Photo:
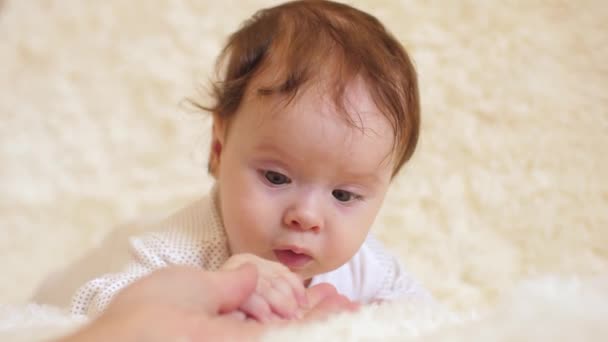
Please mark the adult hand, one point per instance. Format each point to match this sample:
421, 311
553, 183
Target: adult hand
178, 303
185, 303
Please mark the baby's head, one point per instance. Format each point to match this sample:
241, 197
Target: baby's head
315, 113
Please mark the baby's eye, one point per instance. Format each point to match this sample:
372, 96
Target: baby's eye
343, 195
276, 178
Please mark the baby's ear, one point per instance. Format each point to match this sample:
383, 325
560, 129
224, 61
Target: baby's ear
218, 134
219, 128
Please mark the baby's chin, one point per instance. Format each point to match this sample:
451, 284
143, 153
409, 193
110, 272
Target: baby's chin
308, 275
305, 276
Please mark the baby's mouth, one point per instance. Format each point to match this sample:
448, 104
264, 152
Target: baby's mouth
292, 259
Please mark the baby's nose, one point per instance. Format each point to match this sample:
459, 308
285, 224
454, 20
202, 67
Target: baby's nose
303, 217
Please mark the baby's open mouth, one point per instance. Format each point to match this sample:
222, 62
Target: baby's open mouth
292, 259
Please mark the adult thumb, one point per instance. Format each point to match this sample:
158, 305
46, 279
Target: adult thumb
233, 288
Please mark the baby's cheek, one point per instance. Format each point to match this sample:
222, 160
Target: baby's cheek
340, 250
236, 226
255, 227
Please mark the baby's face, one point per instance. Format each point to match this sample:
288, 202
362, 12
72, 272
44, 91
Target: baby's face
298, 184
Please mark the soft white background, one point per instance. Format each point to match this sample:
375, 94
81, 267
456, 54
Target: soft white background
509, 181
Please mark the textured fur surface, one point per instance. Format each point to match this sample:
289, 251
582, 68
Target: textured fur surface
509, 182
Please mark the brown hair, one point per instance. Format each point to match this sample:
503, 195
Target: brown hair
301, 38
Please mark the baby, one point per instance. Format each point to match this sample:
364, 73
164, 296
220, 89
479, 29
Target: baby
316, 112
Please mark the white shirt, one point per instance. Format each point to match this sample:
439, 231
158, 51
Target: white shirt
195, 236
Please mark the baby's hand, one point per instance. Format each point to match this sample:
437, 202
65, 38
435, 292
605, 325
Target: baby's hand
280, 294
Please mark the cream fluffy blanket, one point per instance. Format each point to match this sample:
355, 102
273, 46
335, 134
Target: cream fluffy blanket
502, 213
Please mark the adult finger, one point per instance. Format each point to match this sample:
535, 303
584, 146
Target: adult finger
329, 306
227, 290
316, 294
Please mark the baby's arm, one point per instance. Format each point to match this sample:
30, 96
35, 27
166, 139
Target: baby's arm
93, 297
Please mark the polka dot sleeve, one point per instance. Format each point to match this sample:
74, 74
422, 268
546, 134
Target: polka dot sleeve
94, 296
193, 236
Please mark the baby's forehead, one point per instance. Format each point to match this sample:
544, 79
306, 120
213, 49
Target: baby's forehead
319, 131
356, 117
350, 99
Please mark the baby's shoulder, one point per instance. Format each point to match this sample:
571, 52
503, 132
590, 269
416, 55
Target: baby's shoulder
195, 221
373, 255
191, 235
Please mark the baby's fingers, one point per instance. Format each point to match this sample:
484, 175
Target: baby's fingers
280, 297
296, 287
257, 308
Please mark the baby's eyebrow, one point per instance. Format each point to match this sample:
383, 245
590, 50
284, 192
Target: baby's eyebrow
367, 177
345, 172
264, 147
